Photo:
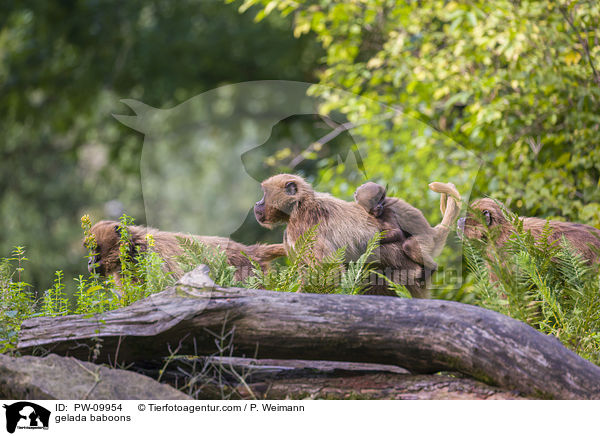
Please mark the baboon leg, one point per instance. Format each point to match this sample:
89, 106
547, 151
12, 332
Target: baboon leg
417, 249
393, 235
440, 235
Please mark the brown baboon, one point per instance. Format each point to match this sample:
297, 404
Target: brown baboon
585, 239
108, 240
288, 199
402, 221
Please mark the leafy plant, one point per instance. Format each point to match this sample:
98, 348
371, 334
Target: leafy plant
305, 273
546, 284
17, 301
355, 277
55, 302
141, 271
141, 275
196, 253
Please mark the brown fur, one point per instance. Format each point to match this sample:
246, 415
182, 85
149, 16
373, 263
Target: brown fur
288, 199
168, 247
585, 239
402, 221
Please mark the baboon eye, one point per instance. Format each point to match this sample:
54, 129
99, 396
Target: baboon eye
291, 188
488, 217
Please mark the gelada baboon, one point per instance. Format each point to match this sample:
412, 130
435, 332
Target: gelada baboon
108, 240
288, 199
487, 212
402, 221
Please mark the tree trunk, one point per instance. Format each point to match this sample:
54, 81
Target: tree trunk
423, 336
376, 387
242, 378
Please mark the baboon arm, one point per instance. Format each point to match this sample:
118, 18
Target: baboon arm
266, 253
409, 218
419, 249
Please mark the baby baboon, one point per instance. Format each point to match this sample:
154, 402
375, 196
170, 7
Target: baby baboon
401, 221
288, 199
108, 240
585, 239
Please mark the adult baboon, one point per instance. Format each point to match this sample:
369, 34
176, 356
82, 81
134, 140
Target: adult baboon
288, 199
108, 240
487, 213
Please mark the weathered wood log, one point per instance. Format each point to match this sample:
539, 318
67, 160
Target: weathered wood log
375, 387
423, 336
268, 379
258, 370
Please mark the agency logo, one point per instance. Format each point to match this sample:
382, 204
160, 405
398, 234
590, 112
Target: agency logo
26, 415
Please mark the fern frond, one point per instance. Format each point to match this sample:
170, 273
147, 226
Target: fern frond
398, 288
354, 279
196, 253
573, 268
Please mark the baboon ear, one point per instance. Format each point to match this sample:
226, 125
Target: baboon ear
291, 188
488, 217
385, 190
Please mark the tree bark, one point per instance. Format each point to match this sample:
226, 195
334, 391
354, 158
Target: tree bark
423, 336
376, 387
268, 379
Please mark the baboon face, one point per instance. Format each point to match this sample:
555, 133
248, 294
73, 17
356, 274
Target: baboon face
371, 197
106, 261
484, 213
282, 194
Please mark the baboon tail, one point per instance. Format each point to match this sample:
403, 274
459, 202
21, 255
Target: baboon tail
446, 188
450, 207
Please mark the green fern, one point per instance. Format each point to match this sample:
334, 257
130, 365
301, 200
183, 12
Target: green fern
355, 277
398, 288
541, 281
305, 273
196, 253
573, 268
487, 291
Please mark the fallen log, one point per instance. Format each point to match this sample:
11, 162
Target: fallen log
268, 379
178, 369
423, 336
375, 387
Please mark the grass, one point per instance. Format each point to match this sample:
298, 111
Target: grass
141, 276
546, 285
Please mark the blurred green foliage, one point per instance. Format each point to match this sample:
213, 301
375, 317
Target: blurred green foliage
517, 83
65, 65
